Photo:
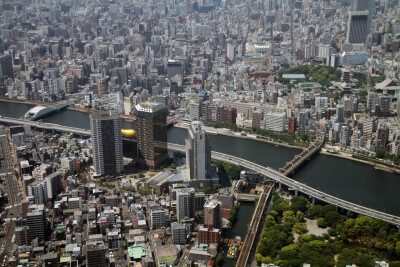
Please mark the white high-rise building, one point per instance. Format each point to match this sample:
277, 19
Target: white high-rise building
344, 135
321, 102
198, 152
107, 144
275, 121
185, 203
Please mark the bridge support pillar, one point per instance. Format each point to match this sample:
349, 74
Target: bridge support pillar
296, 192
398, 228
280, 185
313, 200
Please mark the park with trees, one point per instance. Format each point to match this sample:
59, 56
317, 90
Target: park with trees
348, 238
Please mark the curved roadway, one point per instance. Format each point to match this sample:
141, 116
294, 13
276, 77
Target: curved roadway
266, 171
295, 185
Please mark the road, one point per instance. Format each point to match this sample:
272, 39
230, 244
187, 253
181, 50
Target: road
7, 168
297, 186
266, 171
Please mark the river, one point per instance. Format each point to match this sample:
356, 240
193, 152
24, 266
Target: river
243, 217
353, 181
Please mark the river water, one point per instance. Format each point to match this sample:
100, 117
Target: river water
243, 217
349, 180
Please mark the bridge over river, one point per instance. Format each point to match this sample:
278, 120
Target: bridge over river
268, 172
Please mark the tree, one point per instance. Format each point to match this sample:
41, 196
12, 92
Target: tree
288, 217
172, 166
332, 217
321, 222
299, 203
300, 228
381, 154
351, 256
289, 252
299, 216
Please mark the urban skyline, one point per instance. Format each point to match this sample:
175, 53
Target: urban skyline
199, 133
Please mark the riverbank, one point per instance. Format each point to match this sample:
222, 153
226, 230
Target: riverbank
349, 157
29, 102
228, 132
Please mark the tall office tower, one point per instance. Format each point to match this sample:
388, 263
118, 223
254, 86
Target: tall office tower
6, 68
38, 190
107, 143
54, 185
372, 100
212, 214
95, 254
382, 138
151, 132
185, 204
198, 152
36, 221
340, 112
102, 87
357, 27
365, 5
302, 123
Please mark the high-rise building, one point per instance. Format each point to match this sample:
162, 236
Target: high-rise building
384, 103
372, 100
107, 144
158, 218
185, 203
357, 28
198, 152
340, 112
36, 221
178, 232
382, 138
6, 68
54, 185
364, 5
292, 125
303, 116
256, 119
209, 235
102, 87
212, 214
38, 190
96, 255
344, 135
275, 121
151, 132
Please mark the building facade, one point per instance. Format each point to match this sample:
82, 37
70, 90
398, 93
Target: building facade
151, 131
107, 144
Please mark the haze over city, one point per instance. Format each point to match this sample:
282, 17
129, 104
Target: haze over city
200, 133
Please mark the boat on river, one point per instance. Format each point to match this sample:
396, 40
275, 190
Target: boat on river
234, 247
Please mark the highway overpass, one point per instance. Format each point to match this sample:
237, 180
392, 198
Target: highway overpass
46, 126
280, 179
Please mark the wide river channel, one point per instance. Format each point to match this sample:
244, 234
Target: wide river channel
352, 181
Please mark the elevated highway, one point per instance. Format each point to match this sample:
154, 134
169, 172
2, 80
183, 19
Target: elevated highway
280, 179
272, 174
45, 126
